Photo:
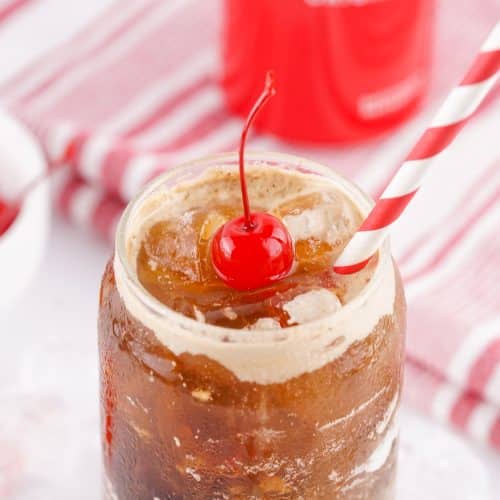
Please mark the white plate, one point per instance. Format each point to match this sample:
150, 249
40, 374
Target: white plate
21, 247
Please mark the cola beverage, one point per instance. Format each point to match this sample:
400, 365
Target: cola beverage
289, 391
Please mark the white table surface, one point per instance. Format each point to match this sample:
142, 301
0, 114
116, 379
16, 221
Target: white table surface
49, 438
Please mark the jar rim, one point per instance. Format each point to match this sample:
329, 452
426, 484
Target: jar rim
360, 199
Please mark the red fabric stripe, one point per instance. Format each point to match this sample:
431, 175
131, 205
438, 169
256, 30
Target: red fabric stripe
105, 214
434, 140
386, 211
455, 239
485, 66
354, 268
11, 8
463, 408
484, 366
67, 193
495, 434
75, 146
166, 107
114, 165
70, 152
77, 62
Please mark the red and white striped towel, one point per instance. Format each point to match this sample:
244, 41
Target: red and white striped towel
10, 7
136, 92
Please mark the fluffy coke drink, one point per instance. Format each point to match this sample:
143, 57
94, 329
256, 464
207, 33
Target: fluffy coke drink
288, 391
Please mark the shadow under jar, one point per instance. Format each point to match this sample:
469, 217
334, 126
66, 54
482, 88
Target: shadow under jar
197, 411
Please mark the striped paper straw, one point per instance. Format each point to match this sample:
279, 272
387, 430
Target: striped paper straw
460, 104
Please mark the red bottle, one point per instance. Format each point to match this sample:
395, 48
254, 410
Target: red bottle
345, 69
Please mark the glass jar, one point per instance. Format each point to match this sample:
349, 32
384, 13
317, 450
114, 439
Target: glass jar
194, 411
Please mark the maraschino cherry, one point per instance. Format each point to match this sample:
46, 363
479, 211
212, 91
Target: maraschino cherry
256, 249
8, 214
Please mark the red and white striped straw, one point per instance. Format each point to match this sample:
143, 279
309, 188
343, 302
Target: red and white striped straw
460, 104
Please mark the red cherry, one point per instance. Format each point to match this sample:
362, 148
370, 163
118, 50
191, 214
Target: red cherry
8, 214
247, 259
256, 249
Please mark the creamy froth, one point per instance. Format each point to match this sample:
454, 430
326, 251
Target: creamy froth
263, 353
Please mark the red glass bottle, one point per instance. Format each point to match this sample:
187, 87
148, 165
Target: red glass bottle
346, 69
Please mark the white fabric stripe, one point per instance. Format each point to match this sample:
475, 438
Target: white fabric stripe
82, 205
147, 102
493, 40
482, 228
71, 51
136, 173
217, 141
471, 348
92, 156
154, 18
362, 246
492, 388
481, 422
462, 102
182, 118
408, 178
443, 402
58, 138
140, 168
263, 142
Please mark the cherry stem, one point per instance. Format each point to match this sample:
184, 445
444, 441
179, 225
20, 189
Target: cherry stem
267, 93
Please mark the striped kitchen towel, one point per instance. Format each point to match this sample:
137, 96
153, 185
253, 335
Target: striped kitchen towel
135, 92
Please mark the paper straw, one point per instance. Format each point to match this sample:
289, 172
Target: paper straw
458, 107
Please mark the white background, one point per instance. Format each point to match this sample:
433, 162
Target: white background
48, 360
